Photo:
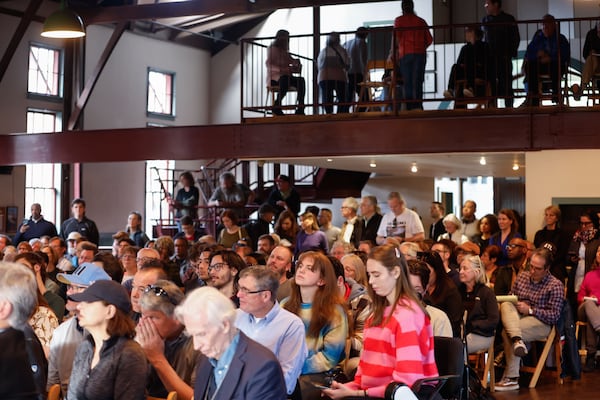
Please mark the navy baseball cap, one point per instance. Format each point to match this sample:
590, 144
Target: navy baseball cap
109, 291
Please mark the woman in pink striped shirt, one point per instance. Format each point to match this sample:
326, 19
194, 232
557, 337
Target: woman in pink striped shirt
398, 337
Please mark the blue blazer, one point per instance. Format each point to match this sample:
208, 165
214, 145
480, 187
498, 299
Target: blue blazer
254, 373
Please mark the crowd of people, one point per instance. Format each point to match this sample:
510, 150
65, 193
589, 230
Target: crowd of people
300, 305
484, 67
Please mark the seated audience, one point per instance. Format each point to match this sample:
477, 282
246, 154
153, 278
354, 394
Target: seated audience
262, 319
591, 55
509, 228
287, 227
489, 257
108, 363
487, 226
418, 277
588, 311
398, 338
547, 53
166, 248
442, 292
540, 302
472, 63
168, 349
128, 262
224, 267
21, 351
281, 67
69, 335
355, 269
189, 231
315, 298
480, 303
231, 366
332, 232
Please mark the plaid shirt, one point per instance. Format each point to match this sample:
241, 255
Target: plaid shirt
544, 297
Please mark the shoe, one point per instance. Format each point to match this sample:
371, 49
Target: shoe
448, 94
507, 384
277, 111
590, 364
468, 93
299, 112
519, 348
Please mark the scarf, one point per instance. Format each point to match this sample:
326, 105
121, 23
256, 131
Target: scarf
585, 236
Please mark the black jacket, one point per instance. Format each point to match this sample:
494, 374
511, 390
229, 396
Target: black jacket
483, 318
370, 228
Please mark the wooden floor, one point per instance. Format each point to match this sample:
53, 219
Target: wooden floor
547, 389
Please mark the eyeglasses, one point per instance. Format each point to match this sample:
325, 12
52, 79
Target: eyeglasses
584, 223
217, 267
311, 268
248, 291
512, 245
159, 292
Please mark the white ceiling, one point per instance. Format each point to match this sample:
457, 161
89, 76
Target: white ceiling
452, 165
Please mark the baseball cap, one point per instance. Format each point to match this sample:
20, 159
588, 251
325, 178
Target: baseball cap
109, 291
74, 236
85, 275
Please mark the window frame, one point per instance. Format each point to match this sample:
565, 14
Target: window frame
154, 114
58, 98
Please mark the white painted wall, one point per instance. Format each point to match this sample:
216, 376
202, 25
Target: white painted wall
555, 174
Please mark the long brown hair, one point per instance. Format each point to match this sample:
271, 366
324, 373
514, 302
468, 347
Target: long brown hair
327, 297
391, 257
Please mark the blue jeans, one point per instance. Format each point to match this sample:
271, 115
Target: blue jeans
412, 68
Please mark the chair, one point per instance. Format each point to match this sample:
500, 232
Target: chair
488, 368
450, 362
582, 348
273, 91
551, 341
54, 392
369, 86
481, 85
171, 396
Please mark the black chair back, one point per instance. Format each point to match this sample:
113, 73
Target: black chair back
450, 360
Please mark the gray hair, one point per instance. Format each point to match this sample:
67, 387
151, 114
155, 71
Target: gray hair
19, 288
454, 220
350, 202
266, 279
154, 301
217, 307
477, 265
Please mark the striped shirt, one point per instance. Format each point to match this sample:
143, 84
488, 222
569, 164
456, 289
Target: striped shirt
401, 351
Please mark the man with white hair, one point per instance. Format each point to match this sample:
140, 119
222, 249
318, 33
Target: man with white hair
352, 230
22, 362
232, 365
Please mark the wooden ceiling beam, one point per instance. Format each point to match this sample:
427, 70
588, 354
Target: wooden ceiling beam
103, 15
427, 133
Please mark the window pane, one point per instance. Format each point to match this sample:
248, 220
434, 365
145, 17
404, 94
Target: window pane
45, 72
41, 180
160, 92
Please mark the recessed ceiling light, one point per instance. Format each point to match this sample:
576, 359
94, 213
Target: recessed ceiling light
482, 160
372, 164
414, 168
515, 167
330, 160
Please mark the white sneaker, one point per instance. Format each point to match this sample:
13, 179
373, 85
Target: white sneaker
507, 384
468, 93
448, 94
519, 348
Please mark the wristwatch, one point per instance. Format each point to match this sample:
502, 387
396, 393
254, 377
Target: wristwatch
530, 311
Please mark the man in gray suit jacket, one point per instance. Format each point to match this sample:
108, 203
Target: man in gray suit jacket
231, 366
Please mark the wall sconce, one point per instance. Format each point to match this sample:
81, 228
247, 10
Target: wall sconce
63, 24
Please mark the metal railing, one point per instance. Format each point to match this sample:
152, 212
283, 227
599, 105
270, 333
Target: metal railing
257, 101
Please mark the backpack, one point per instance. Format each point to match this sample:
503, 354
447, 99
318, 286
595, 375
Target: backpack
472, 387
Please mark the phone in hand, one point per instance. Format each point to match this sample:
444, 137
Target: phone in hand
319, 386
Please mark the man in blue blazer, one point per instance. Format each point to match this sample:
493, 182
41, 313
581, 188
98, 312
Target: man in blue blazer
231, 365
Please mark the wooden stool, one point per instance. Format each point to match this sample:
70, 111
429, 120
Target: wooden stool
488, 366
553, 340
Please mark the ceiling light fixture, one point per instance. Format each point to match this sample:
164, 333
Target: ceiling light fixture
515, 166
63, 24
482, 160
414, 168
330, 160
372, 164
